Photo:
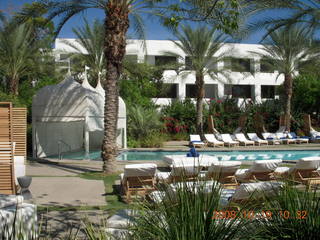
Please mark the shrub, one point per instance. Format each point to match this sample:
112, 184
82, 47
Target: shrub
154, 140
144, 127
180, 116
225, 114
270, 110
306, 94
143, 121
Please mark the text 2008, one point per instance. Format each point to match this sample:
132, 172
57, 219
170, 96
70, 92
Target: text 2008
248, 214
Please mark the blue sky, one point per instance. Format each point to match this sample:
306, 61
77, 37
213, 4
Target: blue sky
154, 30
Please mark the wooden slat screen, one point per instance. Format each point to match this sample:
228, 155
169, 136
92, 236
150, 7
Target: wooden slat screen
19, 131
7, 180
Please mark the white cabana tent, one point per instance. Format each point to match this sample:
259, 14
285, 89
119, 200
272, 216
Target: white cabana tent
69, 117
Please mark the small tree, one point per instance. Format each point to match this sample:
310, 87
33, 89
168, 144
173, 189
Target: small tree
18, 55
91, 39
201, 46
287, 50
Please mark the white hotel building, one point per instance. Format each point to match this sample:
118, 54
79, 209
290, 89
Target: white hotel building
254, 81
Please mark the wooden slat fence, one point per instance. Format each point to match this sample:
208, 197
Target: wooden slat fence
19, 127
7, 180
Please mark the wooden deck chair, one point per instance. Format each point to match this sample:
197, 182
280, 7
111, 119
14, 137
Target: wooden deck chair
261, 170
248, 192
228, 141
195, 141
138, 178
224, 173
7, 178
180, 171
305, 171
243, 140
213, 141
258, 141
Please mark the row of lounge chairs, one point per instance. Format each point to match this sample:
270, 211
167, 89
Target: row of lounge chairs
237, 139
144, 177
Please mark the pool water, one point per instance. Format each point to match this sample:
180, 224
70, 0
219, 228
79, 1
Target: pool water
223, 155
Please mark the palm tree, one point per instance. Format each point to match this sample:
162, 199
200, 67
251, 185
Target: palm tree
119, 14
287, 50
296, 11
90, 38
17, 54
116, 25
201, 46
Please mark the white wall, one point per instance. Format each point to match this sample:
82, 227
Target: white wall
146, 51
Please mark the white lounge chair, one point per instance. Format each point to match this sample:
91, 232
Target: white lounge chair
293, 135
243, 140
224, 172
244, 193
226, 138
261, 170
179, 172
254, 137
212, 141
271, 138
315, 135
195, 141
305, 171
138, 177
203, 160
253, 191
192, 186
283, 137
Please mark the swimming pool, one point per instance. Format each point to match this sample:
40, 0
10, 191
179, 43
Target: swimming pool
288, 155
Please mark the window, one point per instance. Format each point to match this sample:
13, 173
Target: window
191, 90
227, 89
267, 66
64, 56
168, 91
188, 63
268, 91
131, 58
241, 91
240, 65
165, 60
211, 90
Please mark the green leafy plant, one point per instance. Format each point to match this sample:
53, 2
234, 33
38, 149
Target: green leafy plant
144, 127
179, 113
295, 215
188, 213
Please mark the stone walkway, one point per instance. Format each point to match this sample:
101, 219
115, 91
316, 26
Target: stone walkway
59, 185
67, 191
63, 224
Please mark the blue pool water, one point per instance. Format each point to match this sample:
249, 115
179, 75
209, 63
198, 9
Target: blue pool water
223, 155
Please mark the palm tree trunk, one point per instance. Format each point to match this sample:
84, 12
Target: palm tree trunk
288, 90
116, 24
13, 85
200, 96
